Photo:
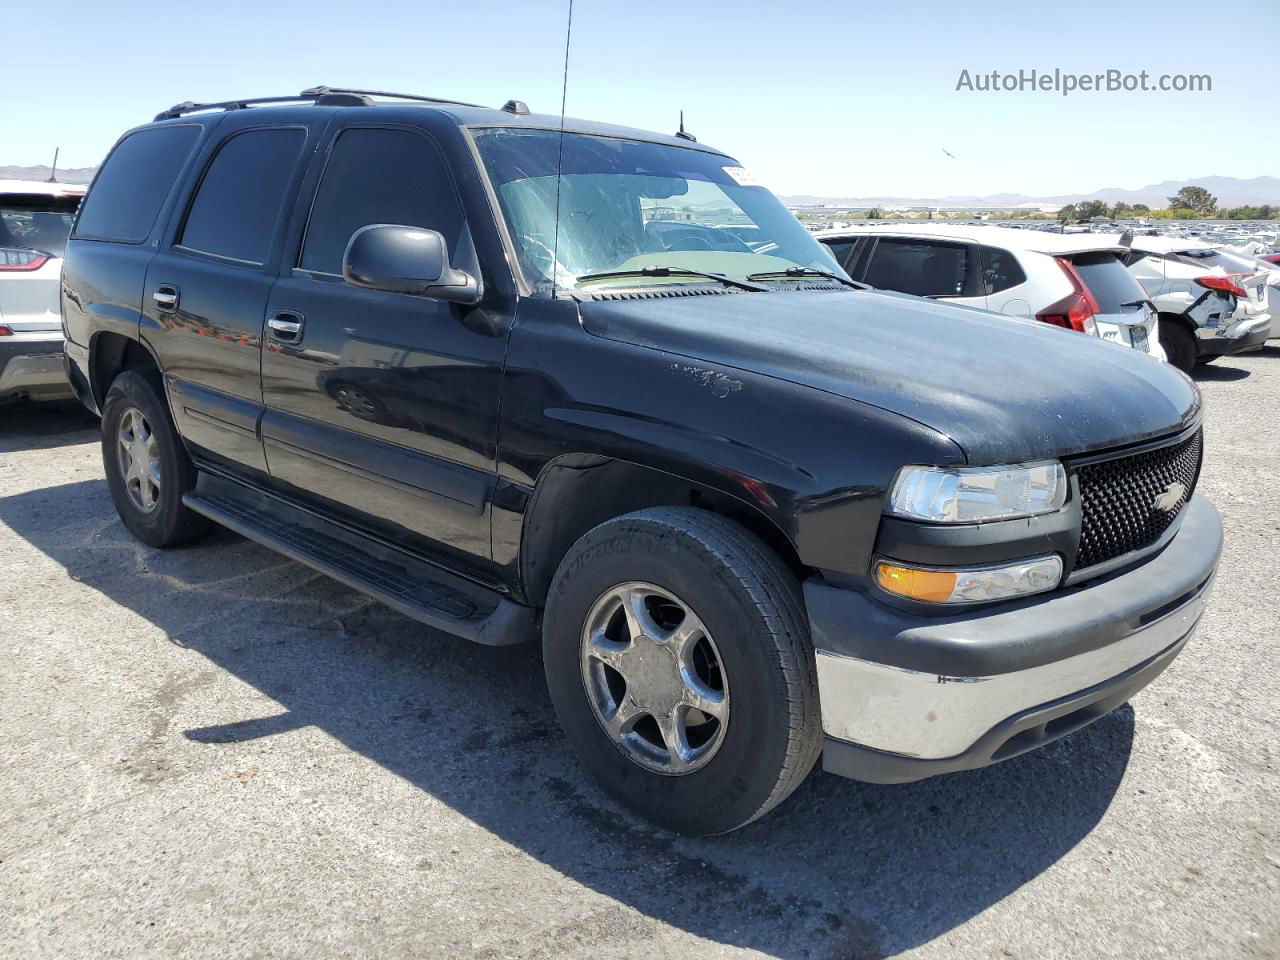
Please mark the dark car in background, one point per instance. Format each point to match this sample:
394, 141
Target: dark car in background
512, 373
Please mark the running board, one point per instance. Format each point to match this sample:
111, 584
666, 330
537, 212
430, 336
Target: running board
403, 582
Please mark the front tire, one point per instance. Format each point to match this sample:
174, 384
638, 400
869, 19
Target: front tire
678, 658
147, 466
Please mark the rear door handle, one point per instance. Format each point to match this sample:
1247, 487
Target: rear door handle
166, 297
286, 327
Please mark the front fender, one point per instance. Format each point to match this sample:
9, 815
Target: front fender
815, 464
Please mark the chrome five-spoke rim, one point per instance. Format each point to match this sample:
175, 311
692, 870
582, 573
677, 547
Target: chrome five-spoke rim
654, 678
139, 459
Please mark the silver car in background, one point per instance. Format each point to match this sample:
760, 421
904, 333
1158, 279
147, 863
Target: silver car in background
35, 220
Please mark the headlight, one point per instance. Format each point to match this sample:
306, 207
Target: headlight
969, 584
974, 494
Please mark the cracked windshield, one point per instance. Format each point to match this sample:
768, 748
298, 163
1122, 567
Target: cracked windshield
634, 213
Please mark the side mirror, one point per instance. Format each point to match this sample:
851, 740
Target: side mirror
412, 260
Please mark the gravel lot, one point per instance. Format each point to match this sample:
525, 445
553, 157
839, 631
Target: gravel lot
215, 752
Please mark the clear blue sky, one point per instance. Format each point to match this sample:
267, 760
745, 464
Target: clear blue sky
818, 97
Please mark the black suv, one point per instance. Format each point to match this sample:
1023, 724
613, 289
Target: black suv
503, 371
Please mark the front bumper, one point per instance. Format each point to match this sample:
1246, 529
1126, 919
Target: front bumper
31, 366
905, 697
1250, 333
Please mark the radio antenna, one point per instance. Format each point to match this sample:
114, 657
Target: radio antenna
564, 94
53, 171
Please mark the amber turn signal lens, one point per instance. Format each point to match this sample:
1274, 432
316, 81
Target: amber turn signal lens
931, 586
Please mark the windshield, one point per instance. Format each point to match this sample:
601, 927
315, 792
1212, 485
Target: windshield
36, 225
626, 205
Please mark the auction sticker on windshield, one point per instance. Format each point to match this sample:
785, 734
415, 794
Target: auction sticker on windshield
742, 178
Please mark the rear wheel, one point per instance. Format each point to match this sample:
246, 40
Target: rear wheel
678, 658
147, 466
1179, 345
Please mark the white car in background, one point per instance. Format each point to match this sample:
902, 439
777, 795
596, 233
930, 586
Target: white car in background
35, 220
1233, 261
1212, 302
1076, 281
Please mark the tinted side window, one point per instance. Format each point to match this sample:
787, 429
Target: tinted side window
238, 203
918, 266
1000, 269
379, 176
840, 249
846, 251
132, 186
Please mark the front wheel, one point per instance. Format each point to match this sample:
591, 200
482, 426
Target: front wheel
147, 466
678, 657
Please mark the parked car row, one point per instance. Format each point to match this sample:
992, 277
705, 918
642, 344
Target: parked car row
513, 374
1073, 281
1179, 300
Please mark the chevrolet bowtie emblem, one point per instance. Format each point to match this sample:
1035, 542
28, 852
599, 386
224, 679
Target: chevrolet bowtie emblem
1171, 497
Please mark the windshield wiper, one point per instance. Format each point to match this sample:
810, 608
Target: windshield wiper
674, 272
806, 272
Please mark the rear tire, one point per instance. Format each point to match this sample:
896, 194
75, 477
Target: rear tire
1179, 345
750, 604
147, 466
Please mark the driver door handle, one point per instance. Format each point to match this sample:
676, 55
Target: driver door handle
286, 326
166, 297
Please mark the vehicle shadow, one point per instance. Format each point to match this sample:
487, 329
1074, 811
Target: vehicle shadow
1219, 371
25, 425
840, 870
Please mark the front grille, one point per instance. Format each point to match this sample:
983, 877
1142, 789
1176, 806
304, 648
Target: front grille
1119, 497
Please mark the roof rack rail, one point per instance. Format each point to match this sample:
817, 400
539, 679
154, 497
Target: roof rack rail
320, 96
324, 99
322, 91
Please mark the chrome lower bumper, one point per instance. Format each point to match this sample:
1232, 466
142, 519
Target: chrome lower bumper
905, 696
931, 716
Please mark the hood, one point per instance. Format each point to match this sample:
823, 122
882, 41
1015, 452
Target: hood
1005, 390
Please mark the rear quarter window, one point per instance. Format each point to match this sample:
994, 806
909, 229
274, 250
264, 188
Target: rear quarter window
1000, 270
131, 188
1112, 285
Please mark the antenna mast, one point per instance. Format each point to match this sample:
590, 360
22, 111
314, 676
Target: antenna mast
564, 94
53, 172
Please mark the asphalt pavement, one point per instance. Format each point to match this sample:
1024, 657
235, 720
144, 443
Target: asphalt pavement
214, 752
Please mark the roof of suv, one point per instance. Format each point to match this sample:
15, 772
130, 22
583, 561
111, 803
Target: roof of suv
1036, 241
42, 188
471, 115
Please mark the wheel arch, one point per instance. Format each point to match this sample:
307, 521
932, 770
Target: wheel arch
577, 492
1179, 319
110, 354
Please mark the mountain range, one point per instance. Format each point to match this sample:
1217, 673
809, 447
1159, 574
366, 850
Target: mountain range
71, 175
1230, 191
